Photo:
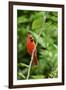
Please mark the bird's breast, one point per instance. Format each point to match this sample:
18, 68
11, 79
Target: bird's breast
30, 47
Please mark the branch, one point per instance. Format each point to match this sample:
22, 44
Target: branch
30, 63
35, 48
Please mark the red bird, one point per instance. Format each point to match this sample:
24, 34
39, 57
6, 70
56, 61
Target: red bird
30, 46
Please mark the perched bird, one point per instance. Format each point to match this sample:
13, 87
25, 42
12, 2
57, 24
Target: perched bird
30, 47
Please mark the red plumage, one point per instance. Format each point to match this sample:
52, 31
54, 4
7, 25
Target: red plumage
30, 46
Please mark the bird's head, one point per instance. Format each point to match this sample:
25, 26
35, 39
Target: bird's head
30, 36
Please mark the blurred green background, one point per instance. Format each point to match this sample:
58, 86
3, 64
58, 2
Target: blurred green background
35, 21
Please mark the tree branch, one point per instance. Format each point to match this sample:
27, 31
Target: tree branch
35, 48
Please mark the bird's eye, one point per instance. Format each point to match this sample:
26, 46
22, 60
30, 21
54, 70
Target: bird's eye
31, 40
30, 37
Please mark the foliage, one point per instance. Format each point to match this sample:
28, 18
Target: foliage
35, 21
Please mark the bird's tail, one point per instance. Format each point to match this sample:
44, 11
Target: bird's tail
35, 59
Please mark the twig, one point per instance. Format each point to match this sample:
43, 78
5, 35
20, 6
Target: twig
34, 50
30, 63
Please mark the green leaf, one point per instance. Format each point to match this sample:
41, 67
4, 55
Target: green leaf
38, 76
21, 75
22, 65
37, 23
22, 19
40, 40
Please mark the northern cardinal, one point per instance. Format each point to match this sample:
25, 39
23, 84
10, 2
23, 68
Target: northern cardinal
30, 47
